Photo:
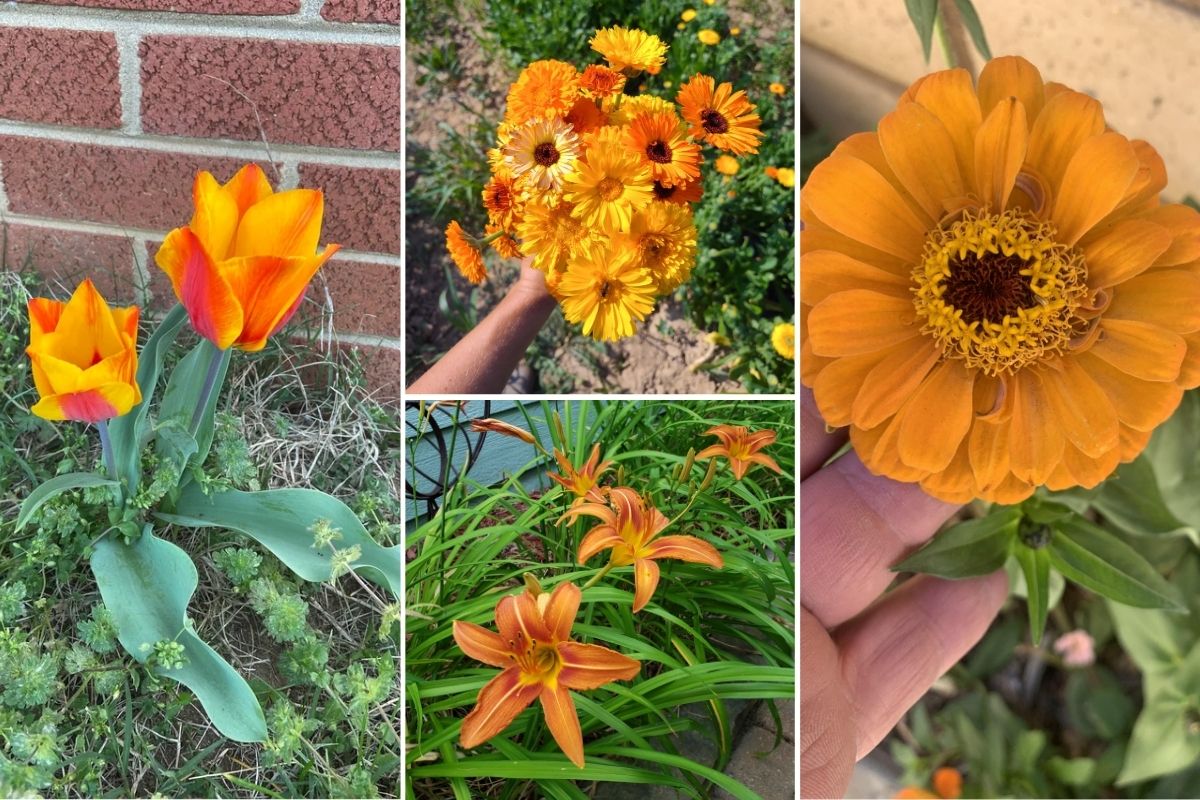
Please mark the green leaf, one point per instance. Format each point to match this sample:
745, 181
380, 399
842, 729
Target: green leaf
1026, 751
923, 13
976, 547
280, 520
129, 434
974, 27
1072, 771
147, 586
1154, 639
184, 390
56, 486
993, 652
1132, 500
1162, 742
1097, 704
1099, 561
1035, 564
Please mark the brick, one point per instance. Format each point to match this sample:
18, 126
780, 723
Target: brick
330, 95
366, 297
59, 77
362, 206
64, 258
387, 11
262, 7
116, 185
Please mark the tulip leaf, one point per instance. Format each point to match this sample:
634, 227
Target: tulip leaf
967, 550
204, 366
56, 486
1035, 564
282, 520
147, 586
128, 431
1097, 560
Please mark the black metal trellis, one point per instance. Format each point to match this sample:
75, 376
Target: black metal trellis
447, 475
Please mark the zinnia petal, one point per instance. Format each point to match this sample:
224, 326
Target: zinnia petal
1095, 181
1141, 349
937, 418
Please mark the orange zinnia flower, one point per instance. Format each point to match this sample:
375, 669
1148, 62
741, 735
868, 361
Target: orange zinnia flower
741, 448
241, 266
993, 297
659, 141
581, 482
464, 250
84, 357
540, 661
720, 116
630, 531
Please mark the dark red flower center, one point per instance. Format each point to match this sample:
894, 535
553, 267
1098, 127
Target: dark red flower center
663, 192
546, 154
988, 288
659, 152
713, 121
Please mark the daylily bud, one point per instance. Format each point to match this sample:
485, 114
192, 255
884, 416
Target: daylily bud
708, 476
503, 428
531, 584
558, 428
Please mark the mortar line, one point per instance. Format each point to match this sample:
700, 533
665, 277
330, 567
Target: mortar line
311, 10
129, 82
3, 193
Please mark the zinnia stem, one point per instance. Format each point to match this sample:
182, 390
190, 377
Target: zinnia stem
215, 366
596, 578
106, 448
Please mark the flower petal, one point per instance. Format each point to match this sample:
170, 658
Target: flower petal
1184, 224
498, 704
44, 315
1081, 408
1125, 250
950, 97
685, 548
86, 331
283, 224
837, 386
1141, 405
248, 187
987, 450
921, 154
212, 307
481, 644
590, 666
860, 321
1095, 181
563, 722
1066, 122
1000, 148
1011, 77
816, 235
934, 422
827, 272
879, 452
645, 580
91, 406
520, 622
215, 218
885, 388
600, 538
560, 612
268, 289
1140, 349
1168, 297
1035, 437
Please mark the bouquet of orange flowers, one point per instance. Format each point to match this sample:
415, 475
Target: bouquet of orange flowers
597, 186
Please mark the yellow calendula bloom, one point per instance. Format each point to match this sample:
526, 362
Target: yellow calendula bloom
994, 296
709, 37
735, 31
606, 291
610, 185
550, 233
726, 165
688, 15
84, 357
783, 339
630, 49
663, 237
777, 88
786, 176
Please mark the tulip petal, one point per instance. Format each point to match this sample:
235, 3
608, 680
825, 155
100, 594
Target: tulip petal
91, 406
269, 289
685, 548
248, 187
645, 581
498, 704
560, 612
215, 218
44, 315
520, 622
563, 722
284, 224
53, 375
481, 644
212, 306
86, 332
590, 666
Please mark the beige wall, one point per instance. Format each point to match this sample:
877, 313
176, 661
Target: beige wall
1140, 58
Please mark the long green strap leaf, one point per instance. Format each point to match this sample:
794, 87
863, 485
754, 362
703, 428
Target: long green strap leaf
281, 521
56, 486
147, 585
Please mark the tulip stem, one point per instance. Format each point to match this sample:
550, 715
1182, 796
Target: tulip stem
596, 578
106, 448
210, 381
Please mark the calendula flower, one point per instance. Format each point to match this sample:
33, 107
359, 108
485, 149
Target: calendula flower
720, 116
947, 782
683, 193
630, 528
84, 357
1006, 304
688, 15
741, 447
735, 31
585, 116
608, 187
582, 482
629, 49
241, 266
539, 662
504, 243
783, 339
599, 81
542, 154
550, 234
606, 291
659, 141
464, 251
726, 165
771, 172
777, 88
544, 90
708, 36
663, 238
786, 176
501, 200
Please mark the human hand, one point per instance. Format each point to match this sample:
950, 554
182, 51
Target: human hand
531, 283
866, 659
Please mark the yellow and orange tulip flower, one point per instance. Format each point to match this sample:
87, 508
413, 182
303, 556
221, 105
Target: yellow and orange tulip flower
540, 661
741, 448
241, 266
84, 357
629, 527
581, 482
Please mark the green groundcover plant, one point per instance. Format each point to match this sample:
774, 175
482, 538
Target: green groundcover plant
673, 565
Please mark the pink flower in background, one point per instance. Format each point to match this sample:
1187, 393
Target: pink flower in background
1077, 648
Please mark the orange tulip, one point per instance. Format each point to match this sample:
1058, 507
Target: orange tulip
740, 447
84, 357
540, 662
630, 531
582, 482
241, 266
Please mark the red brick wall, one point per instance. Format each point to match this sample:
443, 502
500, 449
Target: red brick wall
109, 107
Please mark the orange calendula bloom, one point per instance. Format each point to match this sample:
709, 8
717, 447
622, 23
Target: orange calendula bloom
242, 264
629, 527
599, 81
948, 782
540, 661
726, 165
777, 88
544, 89
994, 297
582, 482
741, 448
659, 141
84, 357
719, 115
681, 193
465, 253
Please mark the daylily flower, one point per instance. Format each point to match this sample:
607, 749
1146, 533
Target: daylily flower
740, 447
582, 482
500, 426
630, 531
540, 662
84, 357
241, 266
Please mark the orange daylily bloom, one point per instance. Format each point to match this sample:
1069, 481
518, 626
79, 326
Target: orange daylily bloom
629, 527
582, 482
540, 662
740, 447
241, 266
84, 357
